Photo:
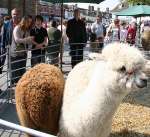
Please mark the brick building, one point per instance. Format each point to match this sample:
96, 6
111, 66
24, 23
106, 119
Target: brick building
32, 7
25, 6
49, 10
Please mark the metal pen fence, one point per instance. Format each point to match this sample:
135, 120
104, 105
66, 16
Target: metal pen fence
20, 130
50, 54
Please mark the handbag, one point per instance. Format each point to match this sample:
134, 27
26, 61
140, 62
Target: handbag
20, 48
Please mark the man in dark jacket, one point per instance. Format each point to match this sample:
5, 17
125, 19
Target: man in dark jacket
76, 32
7, 31
6, 36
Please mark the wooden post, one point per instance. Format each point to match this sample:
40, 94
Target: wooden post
24, 7
36, 6
9, 7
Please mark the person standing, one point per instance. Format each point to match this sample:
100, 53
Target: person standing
18, 50
99, 29
9, 25
76, 32
123, 32
39, 42
7, 31
53, 49
114, 29
64, 36
64, 39
131, 34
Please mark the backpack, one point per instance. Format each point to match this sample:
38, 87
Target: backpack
57, 36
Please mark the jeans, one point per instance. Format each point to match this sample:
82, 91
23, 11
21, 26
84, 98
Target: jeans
38, 56
18, 68
76, 54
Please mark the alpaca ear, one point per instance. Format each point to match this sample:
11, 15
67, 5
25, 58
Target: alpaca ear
96, 56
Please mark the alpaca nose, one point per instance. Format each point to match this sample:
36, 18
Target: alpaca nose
141, 83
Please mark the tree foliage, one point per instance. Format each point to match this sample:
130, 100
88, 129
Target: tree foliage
136, 2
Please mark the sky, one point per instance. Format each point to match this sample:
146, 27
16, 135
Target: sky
103, 5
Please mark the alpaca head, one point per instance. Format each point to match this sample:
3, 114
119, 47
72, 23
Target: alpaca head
126, 64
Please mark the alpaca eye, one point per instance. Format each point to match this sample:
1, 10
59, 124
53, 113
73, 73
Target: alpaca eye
122, 69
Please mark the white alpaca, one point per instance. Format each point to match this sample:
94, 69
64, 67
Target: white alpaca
94, 90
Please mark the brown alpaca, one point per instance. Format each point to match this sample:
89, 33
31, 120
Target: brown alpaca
146, 40
39, 97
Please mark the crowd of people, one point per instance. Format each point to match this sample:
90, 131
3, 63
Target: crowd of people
20, 35
120, 31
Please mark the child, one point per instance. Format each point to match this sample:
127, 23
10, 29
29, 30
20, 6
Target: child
40, 41
123, 32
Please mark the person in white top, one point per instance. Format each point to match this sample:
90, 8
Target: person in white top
98, 28
123, 32
64, 35
114, 29
18, 51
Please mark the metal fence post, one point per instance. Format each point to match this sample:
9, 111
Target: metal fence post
9, 72
62, 41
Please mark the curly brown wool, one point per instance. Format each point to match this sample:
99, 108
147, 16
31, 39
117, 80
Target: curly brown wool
39, 98
146, 40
